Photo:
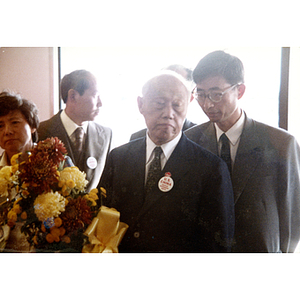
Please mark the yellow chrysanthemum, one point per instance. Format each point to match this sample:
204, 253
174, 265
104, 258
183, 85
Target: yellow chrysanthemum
72, 178
17, 208
92, 196
6, 181
103, 192
12, 217
49, 205
15, 159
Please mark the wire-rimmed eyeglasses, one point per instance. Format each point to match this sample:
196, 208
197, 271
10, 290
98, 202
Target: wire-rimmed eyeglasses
214, 95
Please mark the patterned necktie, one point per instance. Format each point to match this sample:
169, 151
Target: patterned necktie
79, 133
154, 169
225, 151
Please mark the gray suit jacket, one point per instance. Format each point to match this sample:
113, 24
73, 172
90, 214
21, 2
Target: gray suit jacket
97, 145
266, 186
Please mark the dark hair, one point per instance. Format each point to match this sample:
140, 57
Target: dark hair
10, 102
79, 80
219, 63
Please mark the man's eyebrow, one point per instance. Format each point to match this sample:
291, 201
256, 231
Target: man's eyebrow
211, 89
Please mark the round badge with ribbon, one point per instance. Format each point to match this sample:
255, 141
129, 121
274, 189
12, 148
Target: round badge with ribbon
166, 183
91, 162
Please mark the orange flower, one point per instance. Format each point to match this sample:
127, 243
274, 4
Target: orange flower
62, 231
55, 231
12, 216
24, 215
49, 238
57, 222
17, 209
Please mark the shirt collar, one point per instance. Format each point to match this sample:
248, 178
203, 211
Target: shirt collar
71, 126
234, 132
167, 148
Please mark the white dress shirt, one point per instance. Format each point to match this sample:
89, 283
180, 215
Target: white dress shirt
71, 126
167, 149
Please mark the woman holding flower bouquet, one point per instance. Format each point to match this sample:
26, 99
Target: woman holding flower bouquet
18, 124
43, 203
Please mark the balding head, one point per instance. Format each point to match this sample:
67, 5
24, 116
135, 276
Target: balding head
164, 106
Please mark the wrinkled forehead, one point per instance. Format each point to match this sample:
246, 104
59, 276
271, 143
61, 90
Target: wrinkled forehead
165, 83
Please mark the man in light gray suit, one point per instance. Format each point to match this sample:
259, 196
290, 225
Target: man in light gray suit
80, 94
264, 161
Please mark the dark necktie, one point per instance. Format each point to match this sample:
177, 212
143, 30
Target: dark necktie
79, 133
225, 151
154, 169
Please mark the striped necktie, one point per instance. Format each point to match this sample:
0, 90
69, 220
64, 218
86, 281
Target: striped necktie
154, 169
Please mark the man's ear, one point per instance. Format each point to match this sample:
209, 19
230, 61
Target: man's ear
140, 104
72, 94
241, 90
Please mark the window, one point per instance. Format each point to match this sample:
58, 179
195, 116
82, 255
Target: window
121, 72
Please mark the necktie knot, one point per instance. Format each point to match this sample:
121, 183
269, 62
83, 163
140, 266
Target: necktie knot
157, 152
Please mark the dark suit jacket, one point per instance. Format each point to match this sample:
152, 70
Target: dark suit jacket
141, 133
196, 215
97, 145
266, 186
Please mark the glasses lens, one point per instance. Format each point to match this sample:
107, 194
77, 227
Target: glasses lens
200, 97
215, 96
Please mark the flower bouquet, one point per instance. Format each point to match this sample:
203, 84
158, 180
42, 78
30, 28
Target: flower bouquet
48, 199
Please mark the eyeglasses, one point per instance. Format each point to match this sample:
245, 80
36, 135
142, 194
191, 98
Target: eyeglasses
214, 96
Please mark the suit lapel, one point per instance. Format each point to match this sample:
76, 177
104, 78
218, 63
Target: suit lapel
247, 158
93, 147
208, 140
136, 173
94, 140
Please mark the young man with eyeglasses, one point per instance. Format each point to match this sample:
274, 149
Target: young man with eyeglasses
264, 161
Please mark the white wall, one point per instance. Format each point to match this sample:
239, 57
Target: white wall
32, 72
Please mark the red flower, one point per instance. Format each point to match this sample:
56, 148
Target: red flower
77, 214
39, 171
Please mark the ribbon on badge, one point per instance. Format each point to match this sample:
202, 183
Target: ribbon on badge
105, 232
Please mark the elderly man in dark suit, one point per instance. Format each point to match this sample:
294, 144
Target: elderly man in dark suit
264, 161
88, 149
174, 195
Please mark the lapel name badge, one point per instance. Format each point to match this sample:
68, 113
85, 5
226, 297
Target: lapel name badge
91, 162
166, 183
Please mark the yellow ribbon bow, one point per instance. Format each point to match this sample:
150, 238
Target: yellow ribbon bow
105, 232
